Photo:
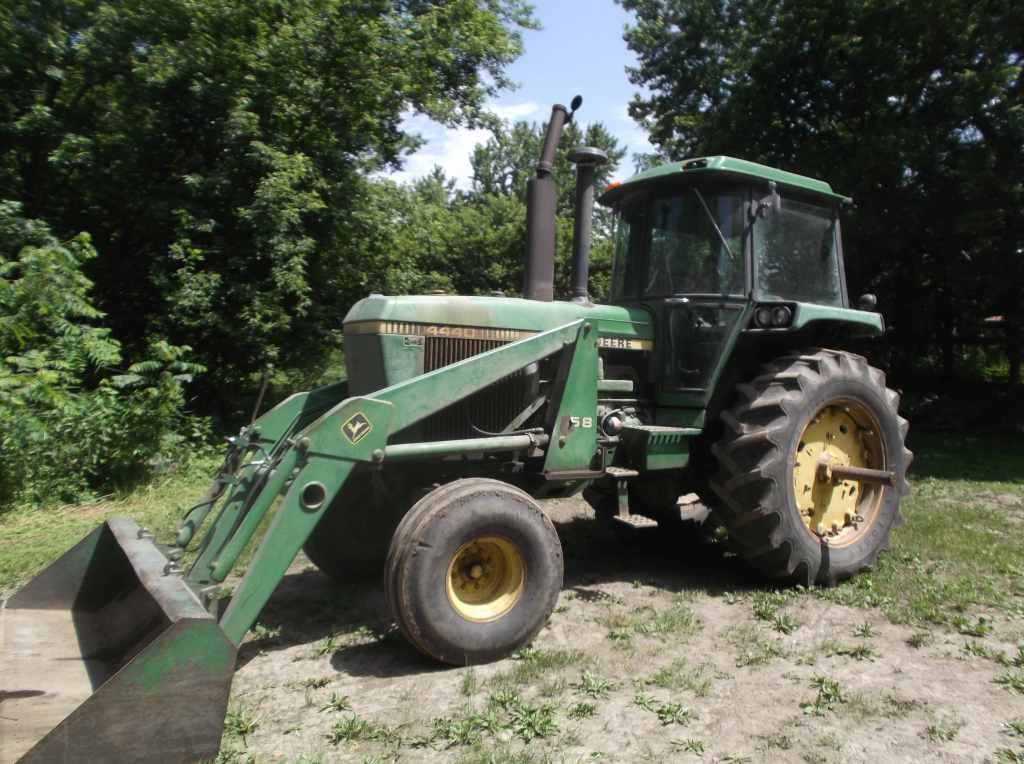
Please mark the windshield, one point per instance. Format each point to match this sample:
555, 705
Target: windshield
692, 239
795, 254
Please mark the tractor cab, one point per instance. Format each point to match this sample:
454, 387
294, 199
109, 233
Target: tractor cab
715, 246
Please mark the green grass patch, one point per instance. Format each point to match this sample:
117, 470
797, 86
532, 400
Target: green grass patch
33, 538
680, 675
531, 664
959, 548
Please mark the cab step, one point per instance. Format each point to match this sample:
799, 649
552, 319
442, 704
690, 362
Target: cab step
621, 476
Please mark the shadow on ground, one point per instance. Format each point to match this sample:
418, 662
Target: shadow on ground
308, 608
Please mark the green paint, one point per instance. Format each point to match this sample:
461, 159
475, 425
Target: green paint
574, 428
865, 322
502, 312
189, 646
721, 168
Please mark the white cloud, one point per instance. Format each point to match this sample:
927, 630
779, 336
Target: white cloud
451, 148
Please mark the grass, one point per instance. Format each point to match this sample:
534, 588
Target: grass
1011, 680
680, 675
532, 664
34, 537
754, 649
959, 551
942, 732
678, 620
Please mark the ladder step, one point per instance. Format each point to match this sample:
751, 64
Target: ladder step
636, 521
620, 473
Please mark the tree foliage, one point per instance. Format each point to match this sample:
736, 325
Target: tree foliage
217, 152
69, 422
914, 108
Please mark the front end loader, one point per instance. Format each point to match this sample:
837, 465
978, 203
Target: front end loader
723, 366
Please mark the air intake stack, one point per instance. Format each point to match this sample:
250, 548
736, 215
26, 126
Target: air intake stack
587, 159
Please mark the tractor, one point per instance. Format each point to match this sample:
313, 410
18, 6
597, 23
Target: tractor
724, 365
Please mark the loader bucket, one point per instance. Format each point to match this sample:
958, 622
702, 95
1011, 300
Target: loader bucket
104, 656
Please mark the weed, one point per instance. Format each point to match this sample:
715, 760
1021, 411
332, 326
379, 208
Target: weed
919, 639
865, 631
785, 624
645, 701
897, 707
1015, 727
316, 683
240, 723
595, 686
582, 711
977, 650
980, 628
672, 713
530, 722
354, 728
754, 650
337, 703
690, 746
470, 684
942, 732
1009, 756
456, 732
266, 634
230, 754
857, 652
504, 698
328, 645
1012, 680
830, 694
765, 605
779, 741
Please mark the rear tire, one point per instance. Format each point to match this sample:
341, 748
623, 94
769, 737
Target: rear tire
802, 409
473, 572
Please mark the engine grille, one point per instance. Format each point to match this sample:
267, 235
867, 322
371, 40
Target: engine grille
490, 409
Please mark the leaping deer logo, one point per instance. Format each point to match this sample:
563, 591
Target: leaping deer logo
356, 428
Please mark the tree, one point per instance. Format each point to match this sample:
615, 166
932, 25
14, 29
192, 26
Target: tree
501, 168
217, 151
914, 108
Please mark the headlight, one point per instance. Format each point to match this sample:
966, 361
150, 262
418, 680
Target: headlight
763, 317
781, 316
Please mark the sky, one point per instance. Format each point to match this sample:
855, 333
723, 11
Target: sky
578, 50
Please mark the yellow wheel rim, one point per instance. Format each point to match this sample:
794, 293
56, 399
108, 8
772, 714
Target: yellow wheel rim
485, 578
842, 433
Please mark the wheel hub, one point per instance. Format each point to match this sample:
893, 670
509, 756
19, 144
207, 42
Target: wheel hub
485, 578
837, 510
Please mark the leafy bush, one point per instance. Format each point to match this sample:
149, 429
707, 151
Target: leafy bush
70, 424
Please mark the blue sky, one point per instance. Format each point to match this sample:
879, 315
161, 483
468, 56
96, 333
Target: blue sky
578, 50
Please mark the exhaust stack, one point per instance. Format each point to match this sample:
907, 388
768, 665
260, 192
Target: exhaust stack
541, 200
587, 159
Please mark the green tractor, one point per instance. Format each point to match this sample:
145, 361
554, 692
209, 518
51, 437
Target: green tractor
723, 367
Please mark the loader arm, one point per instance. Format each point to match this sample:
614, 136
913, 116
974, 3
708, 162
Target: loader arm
317, 460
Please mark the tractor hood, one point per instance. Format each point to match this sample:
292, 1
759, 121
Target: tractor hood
440, 314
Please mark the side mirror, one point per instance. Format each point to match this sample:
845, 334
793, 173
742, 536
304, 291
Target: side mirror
867, 301
769, 204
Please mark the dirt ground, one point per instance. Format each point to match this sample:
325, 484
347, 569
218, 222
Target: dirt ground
655, 652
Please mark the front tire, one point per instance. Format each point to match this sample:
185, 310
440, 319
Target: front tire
783, 514
474, 571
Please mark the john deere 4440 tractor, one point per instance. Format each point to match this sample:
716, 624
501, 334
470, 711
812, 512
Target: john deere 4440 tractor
722, 366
